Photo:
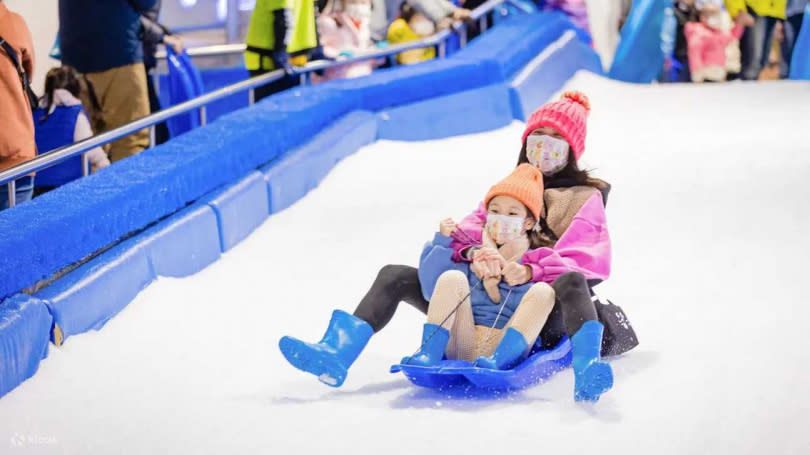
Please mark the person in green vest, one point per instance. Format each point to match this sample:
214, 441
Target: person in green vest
281, 34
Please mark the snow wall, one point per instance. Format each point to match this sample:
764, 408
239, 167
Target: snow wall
173, 209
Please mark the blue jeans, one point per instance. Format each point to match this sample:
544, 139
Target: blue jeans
25, 189
793, 26
755, 45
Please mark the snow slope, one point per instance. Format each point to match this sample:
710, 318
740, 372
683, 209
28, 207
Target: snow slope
710, 226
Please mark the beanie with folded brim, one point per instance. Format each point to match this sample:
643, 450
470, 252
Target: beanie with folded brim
525, 184
568, 115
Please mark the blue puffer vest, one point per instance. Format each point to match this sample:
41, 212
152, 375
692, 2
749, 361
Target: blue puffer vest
55, 132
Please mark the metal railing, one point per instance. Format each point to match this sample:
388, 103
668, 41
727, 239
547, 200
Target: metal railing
54, 157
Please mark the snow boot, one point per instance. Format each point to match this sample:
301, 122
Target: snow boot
592, 377
330, 358
508, 353
434, 342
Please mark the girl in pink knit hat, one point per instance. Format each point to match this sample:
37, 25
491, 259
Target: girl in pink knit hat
576, 257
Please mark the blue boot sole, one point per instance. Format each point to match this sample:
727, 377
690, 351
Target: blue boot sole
317, 361
593, 382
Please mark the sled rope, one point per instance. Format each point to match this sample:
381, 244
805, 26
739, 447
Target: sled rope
497, 317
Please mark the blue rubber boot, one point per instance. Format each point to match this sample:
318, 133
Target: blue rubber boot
592, 377
508, 353
434, 342
331, 358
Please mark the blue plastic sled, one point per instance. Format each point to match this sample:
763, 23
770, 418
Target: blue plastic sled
453, 374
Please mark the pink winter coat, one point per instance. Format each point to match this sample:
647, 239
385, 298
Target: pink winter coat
584, 246
706, 48
340, 34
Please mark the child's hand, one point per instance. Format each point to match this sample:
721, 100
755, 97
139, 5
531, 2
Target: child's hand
515, 249
516, 274
447, 227
744, 19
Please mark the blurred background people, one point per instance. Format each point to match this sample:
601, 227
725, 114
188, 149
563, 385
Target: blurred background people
102, 41
346, 32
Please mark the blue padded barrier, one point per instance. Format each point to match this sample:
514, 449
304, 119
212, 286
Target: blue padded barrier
184, 243
290, 178
497, 49
800, 62
155, 183
25, 326
86, 298
408, 84
549, 71
240, 208
639, 57
473, 111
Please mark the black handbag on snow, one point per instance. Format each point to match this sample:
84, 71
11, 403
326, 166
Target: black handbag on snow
33, 100
619, 336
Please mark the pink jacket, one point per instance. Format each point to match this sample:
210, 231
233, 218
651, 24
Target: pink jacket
584, 247
576, 10
706, 48
340, 34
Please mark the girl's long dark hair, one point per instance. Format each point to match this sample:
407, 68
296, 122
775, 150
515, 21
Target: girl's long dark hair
64, 77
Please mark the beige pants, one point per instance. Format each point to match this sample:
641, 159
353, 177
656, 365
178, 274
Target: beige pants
122, 97
469, 341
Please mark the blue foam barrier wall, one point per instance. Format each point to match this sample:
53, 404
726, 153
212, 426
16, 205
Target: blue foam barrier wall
291, 177
473, 111
800, 62
240, 208
639, 57
25, 324
86, 298
549, 71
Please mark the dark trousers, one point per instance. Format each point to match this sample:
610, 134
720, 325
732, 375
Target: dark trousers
286, 82
793, 26
755, 45
400, 283
161, 129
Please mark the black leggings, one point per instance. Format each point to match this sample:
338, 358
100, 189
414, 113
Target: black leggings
400, 283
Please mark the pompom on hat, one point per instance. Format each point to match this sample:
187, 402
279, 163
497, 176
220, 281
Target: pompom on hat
568, 115
525, 184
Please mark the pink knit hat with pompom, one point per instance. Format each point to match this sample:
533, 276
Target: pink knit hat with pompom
568, 115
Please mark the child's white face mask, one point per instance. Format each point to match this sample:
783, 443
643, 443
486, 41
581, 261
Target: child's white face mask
715, 21
358, 11
504, 228
547, 153
423, 27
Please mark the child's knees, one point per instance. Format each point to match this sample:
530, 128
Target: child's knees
452, 277
539, 294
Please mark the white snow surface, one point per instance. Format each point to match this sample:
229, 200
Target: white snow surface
711, 237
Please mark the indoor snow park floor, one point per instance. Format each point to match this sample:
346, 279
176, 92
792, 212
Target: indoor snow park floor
709, 219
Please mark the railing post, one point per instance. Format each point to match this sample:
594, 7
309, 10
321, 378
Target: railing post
251, 96
442, 49
303, 78
482, 23
12, 193
85, 165
152, 139
203, 119
462, 36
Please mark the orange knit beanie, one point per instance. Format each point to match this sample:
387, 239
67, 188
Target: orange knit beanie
525, 184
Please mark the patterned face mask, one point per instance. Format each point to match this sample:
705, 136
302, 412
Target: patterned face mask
504, 228
547, 153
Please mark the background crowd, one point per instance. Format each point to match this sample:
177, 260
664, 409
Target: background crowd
108, 59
